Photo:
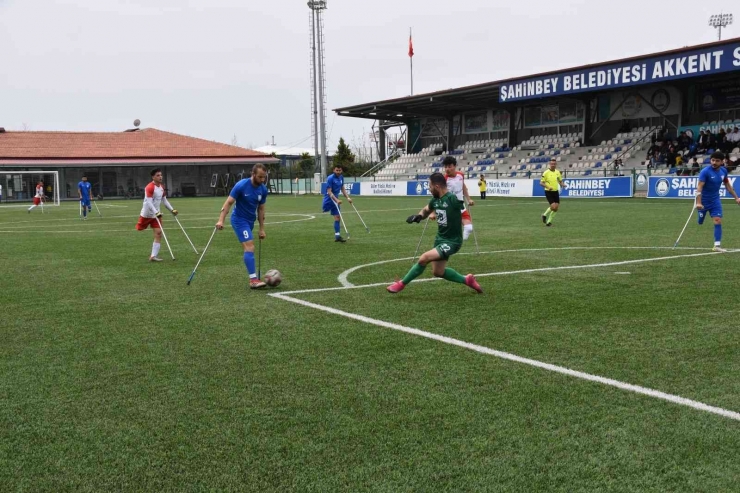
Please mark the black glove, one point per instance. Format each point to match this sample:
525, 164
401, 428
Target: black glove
416, 218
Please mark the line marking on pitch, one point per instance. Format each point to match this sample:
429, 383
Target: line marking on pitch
307, 218
656, 394
342, 278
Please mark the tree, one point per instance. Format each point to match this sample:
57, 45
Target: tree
234, 141
306, 165
344, 158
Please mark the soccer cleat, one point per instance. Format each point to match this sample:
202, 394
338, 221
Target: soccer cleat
256, 284
155, 259
396, 287
472, 283
544, 219
548, 224
719, 249
339, 239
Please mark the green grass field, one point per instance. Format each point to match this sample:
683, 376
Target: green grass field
117, 376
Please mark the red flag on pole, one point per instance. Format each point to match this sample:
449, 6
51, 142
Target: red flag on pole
411, 47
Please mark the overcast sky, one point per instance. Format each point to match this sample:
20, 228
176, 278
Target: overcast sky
219, 68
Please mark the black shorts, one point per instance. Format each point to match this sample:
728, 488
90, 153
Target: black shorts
552, 197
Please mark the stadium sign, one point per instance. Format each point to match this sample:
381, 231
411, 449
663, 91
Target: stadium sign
679, 187
694, 63
591, 187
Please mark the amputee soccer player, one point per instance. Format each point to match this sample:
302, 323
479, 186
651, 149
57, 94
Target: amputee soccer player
708, 200
84, 188
449, 238
249, 195
38, 197
335, 186
456, 185
154, 196
550, 181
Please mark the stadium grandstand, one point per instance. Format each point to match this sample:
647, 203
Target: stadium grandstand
118, 164
635, 115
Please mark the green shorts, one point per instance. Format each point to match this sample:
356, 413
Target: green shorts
446, 249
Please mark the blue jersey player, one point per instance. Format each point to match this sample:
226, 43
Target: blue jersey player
335, 186
711, 179
85, 190
249, 195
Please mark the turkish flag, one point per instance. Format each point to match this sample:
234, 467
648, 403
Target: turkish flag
411, 47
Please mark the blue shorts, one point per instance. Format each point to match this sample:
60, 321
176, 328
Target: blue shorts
85, 202
242, 229
714, 209
330, 206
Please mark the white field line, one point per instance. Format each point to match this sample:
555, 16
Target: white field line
132, 228
675, 399
136, 216
342, 278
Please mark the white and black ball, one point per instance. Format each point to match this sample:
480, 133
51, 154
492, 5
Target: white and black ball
273, 277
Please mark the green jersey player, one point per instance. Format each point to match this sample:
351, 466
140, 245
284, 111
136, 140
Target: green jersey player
448, 210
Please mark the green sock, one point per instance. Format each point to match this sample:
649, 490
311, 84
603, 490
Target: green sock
552, 215
454, 276
415, 272
547, 212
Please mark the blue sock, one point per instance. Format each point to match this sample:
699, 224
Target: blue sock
336, 228
717, 233
702, 215
84, 212
249, 262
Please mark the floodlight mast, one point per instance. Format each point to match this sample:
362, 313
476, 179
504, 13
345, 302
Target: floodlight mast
720, 21
319, 78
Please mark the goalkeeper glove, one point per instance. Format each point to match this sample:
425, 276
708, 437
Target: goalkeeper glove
416, 218
159, 214
174, 212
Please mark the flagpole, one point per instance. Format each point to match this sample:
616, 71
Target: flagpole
411, 61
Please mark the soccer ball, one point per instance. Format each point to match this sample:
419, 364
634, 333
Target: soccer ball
273, 277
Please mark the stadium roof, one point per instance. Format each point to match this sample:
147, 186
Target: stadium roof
450, 102
146, 145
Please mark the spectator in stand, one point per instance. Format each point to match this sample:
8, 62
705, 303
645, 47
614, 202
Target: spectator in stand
695, 166
734, 139
720, 139
618, 167
684, 141
729, 164
671, 157
702, 143
653, 155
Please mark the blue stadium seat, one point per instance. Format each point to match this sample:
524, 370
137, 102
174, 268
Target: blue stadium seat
587, 172
598, 165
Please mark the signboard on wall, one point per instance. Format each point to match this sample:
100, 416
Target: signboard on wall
476, 123
681, 65
680, 187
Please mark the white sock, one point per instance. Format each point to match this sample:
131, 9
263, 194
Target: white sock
467, 230
717, 243
31, 207
155, 249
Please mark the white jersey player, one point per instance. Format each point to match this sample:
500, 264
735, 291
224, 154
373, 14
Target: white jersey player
154, 197
39, 197
456, 185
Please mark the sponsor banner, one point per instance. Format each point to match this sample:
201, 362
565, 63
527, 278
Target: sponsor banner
680, 187
476, 123
501, 188
382, 188
351, 188
665, 99
591, 187
693, 130
690, 63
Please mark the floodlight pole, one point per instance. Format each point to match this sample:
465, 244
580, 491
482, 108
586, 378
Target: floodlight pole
317, 6
720, 21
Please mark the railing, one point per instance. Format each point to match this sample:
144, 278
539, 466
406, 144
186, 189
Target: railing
382, 164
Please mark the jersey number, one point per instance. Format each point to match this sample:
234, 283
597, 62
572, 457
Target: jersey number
445, 247
442, 218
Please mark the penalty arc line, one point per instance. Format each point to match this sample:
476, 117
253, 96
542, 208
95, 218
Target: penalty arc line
342, 278
656, 394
